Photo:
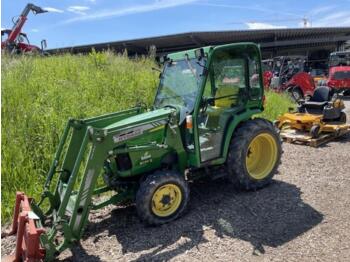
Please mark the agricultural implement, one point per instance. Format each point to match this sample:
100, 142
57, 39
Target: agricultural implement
317, 121
200, 124
16, 41
339, 72
289, 74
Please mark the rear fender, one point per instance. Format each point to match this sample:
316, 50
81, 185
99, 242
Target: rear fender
233, 125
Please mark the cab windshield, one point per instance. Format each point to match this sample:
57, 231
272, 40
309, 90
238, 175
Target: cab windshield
179, 83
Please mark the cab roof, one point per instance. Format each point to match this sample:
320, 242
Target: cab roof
207, 50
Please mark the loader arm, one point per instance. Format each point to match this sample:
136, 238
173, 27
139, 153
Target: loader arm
84, 148
70, 199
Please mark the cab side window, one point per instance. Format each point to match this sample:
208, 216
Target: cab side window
254, 80
229, 77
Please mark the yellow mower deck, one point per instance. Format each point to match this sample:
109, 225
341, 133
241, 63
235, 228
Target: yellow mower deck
301, 137
295, 128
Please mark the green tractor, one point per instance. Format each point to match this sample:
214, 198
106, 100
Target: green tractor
201, 124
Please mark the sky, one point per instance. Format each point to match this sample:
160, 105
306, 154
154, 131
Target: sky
78, 22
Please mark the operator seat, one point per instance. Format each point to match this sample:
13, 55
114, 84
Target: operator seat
317, 102
226, 96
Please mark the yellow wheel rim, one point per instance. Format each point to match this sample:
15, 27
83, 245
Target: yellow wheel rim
261, 156
166, 200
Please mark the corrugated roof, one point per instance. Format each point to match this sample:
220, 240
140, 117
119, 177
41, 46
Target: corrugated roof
177, 42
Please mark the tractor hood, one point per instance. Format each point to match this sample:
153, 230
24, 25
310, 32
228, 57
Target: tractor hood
162, 114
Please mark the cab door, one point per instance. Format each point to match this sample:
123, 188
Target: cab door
225, 88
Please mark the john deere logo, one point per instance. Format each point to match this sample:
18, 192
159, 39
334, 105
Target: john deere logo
146, 156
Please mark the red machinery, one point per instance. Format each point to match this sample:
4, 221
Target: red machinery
267, 65
289, 73
16, 41
339, 71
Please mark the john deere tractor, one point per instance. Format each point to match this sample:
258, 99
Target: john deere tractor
201, 124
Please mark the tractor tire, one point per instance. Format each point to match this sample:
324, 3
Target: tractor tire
315, 131
254, 154
296, 93
342, 118
162, 197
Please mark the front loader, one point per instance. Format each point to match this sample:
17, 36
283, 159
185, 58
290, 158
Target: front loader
201, 124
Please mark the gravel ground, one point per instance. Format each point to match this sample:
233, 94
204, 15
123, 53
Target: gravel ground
302, 216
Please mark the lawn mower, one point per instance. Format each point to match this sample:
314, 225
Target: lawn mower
322, 113
200, 125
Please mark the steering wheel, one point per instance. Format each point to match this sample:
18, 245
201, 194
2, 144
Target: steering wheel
171, 106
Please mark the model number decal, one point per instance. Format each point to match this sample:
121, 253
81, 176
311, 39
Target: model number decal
125, 136
136, 131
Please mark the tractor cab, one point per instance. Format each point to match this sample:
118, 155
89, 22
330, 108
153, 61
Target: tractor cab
21, 38
210, 85
21, 43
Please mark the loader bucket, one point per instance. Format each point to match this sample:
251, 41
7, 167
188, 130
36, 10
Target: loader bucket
25, 223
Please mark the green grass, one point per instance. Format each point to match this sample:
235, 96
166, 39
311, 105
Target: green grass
39, 94
276, 104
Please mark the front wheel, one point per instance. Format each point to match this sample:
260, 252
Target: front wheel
162, 197
254, 154
315, 131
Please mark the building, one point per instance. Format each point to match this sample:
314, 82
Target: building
315, 43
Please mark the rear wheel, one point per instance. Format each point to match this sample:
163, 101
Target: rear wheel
254, 154
162, 197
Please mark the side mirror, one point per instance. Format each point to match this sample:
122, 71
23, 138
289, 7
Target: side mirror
43, 44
